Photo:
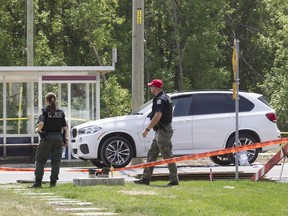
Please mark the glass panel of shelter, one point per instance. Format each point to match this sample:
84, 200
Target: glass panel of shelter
17, 118
22, 108
1, 108
76, 99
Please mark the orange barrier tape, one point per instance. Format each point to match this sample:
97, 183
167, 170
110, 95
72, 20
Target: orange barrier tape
206, 154
99, 170
7, 169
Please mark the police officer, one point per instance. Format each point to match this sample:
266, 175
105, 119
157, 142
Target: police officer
161, 118
52, 128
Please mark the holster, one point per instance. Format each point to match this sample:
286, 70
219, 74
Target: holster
43, 134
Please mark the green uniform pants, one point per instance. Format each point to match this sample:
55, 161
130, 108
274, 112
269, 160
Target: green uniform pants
161, 144
51, 144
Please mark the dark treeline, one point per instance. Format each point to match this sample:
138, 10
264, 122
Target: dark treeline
189, 43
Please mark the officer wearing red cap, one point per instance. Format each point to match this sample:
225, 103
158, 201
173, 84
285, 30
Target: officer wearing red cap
161, 118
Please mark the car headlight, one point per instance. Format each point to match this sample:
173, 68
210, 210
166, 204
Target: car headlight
89, 130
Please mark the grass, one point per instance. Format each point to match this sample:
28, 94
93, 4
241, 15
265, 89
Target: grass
14, 204
190, 198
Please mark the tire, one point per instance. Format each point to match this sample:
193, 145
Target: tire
97, 163
221, 160
117, 152
245, 139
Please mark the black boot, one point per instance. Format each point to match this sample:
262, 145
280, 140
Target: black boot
173, 183
37, 184
144, 181
52, 183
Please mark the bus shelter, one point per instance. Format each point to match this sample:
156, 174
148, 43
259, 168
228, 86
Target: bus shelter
23, 90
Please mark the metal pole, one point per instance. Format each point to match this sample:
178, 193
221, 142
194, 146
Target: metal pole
4, 116
236, 43
69, 119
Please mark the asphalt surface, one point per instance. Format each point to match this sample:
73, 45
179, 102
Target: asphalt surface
25, 172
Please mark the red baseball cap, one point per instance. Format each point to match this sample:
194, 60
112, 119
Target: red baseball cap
157, 83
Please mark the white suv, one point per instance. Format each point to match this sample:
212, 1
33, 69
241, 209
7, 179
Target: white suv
203, 121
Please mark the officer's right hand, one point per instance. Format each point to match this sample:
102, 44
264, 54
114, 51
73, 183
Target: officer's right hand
65, 143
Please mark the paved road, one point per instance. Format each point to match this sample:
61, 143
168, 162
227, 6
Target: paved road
68, 174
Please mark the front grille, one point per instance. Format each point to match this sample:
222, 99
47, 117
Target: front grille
74, 132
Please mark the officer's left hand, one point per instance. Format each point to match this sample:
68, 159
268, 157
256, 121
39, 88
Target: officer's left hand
144, 133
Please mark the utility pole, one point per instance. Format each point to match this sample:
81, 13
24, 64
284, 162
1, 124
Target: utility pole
137, 54
30, 33
137, 58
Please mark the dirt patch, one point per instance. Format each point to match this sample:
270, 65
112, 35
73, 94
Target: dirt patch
138, 192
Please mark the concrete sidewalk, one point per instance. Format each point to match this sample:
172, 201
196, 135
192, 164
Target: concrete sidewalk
67, 174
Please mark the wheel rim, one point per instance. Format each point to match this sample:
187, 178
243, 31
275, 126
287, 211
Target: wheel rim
246, 141
222, 160
118, 152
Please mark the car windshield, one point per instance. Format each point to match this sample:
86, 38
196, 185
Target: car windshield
142, 109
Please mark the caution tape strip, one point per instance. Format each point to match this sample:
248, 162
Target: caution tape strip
8, 169
206, 154
175, 159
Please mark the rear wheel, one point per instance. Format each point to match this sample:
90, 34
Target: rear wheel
117, 152
244, 139
222, 160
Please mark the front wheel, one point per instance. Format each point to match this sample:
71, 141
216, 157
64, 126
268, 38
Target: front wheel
244, 139
116, 152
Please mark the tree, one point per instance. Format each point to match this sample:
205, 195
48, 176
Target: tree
12, 33
245, 22
275, 40
183, 38
118, 102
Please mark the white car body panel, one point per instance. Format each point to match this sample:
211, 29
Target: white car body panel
192, 134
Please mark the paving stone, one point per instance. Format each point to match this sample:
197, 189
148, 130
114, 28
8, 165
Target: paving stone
64, 201
11, 186
80, 209
70, 203
55, 198
93, 213
36, 194
98, 181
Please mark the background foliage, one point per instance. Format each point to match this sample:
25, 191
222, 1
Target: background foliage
188, 43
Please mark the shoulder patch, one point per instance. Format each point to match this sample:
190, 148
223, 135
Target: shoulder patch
159, 101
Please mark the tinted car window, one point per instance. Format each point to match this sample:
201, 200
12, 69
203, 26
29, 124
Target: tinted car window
263, 100
182, 106
213, 103
245, 105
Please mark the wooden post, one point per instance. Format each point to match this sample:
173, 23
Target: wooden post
137, 57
